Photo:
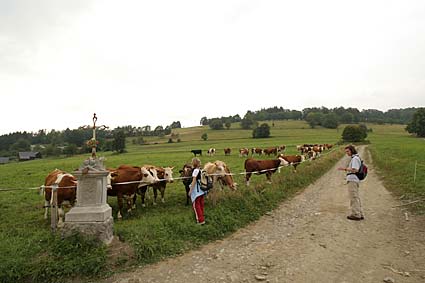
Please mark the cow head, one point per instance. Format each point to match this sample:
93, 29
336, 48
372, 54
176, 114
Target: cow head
228, 179
146, 177
186, 174
66, 180
283, 162
153, 171
221, 172
109, 181
168, 174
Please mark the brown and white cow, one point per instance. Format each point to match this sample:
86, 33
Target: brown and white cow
267, 167
270, 150
125, 180
66, 191
317, 150
165, 175
243, 152
186, 175
211, 151
256, 150
227, 151
293, 160
224, 178
328, 145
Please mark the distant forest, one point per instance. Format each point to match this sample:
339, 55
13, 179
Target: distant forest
70, 142
342, 115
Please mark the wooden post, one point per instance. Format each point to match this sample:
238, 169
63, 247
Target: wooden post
54, 208
414, 176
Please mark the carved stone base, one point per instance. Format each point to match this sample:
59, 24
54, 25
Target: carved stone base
101, 230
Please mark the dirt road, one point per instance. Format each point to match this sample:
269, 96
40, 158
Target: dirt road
309, 239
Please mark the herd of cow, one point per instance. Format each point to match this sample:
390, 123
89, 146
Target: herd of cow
126, 182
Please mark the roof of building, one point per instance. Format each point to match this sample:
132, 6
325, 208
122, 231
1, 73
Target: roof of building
27, 155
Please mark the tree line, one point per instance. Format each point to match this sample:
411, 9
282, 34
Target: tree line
316, 116
70, 142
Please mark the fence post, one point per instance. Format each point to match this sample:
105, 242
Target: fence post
54, 208
414, 176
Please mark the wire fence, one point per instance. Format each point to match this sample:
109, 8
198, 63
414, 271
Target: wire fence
42, 187
416, 167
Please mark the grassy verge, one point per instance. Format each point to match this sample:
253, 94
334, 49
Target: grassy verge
395, 154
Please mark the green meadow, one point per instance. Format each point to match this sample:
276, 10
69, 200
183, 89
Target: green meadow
30, 252
395, 154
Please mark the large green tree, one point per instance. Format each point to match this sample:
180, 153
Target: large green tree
119, 142
216, 124
21, 145
330, 121
263, 131
417, 125
354, 133
314, 119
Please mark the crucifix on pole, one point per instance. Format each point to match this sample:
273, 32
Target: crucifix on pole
93, 142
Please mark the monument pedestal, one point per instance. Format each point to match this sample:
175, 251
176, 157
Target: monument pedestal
91, 215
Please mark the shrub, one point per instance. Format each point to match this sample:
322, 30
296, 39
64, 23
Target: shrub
417, 125
263, 131
330, 121
355, 133
216, 124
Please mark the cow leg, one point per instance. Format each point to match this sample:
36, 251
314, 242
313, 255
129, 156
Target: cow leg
46, 208
247, 176
162, 190
119, 198
187, 194
135, 197
295, 168
155, 195
269, 177
129, 200
143, 194
134, 201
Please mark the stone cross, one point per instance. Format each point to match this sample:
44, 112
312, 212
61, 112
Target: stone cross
93, 142
91, 215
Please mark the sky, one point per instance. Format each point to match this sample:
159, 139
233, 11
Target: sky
155, 62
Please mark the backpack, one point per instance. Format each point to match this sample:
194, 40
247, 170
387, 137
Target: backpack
205, 182
362, 173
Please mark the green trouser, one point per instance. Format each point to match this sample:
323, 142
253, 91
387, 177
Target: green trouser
355, 203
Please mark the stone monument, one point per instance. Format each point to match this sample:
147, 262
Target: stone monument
91, 215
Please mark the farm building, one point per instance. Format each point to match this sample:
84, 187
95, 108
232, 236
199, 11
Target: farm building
28, 155
4, 160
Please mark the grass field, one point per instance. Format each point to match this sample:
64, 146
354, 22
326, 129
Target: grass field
168, 229
395, 153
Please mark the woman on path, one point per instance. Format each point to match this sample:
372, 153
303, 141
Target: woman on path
353, 183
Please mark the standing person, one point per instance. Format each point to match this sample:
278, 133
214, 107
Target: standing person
196, 194
353, 183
